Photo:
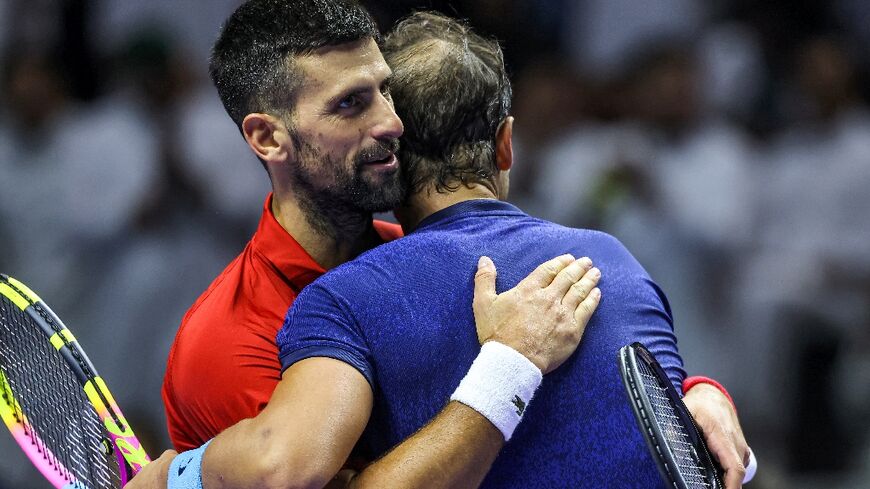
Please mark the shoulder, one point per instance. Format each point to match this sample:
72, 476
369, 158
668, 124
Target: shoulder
236, 317
605, 245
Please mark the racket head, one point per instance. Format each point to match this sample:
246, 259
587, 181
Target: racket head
667, 426
54, 402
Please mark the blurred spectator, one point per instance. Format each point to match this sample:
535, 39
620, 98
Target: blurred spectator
195, 24
77, 169
808, 278
233, 182
854, 14
549, 100
733, 73
601, 34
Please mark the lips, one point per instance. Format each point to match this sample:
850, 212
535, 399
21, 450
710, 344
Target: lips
382, 153
389, 162
384, 160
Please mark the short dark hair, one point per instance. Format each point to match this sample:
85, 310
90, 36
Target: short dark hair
251, 62
451, 90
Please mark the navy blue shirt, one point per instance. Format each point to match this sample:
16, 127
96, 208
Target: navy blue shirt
401, 314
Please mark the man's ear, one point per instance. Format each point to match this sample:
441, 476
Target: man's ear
504, 151
268, 137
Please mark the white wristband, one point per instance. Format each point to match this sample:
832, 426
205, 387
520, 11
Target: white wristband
751, 467
499, 385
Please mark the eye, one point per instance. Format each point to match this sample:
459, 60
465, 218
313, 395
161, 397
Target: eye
385, 89
349, 102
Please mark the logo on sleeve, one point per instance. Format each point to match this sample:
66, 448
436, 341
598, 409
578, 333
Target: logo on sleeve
521, 406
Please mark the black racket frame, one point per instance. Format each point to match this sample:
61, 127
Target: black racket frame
629, 355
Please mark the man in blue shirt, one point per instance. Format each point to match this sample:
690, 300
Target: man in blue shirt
397, 313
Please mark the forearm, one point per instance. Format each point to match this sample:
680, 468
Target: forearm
301, 439
455, 450
239, 458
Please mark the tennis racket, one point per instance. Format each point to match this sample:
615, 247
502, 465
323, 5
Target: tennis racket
54, 402
670, 432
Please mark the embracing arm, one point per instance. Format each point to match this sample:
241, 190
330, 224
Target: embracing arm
303, 436
455, 449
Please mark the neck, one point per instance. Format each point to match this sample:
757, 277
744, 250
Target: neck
331, 236
428, 201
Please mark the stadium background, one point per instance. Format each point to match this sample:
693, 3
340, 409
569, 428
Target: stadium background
725, 142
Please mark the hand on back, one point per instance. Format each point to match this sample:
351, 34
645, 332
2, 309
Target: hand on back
545, 315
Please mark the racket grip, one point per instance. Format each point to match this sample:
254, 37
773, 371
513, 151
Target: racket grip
750, 467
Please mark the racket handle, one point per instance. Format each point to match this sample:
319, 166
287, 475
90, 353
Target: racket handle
750, 467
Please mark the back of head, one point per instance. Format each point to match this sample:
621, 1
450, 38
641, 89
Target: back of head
252, 60
451, 91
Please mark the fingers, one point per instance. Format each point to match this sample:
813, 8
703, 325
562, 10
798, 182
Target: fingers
546, 272
732, 464
725, 447
581, 287
718, 422
587, 306
569, 276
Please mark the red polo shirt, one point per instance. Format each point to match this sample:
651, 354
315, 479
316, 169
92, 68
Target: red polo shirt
223, 364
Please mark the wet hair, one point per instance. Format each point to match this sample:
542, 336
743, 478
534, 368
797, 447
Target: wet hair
451, 91
252, 63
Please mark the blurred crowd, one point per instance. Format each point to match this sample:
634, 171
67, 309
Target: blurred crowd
725, 142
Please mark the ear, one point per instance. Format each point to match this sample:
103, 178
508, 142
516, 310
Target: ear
504, 151
268, 137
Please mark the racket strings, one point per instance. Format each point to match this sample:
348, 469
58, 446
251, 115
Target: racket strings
674, 430
36, 392
42, 387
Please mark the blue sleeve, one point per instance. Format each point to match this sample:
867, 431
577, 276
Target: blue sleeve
642, 309
320, 324
661, 340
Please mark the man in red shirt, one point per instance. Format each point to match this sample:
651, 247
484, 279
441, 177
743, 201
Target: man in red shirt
223, 365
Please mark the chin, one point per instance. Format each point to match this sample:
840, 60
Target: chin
383, 198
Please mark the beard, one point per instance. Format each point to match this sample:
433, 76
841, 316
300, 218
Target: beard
335, 194
369, 189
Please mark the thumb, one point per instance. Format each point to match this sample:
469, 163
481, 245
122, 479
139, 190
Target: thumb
484, 283
484, 296
484, 279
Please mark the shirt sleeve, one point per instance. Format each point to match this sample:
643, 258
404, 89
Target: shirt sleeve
640, 308
320, 324
660, 338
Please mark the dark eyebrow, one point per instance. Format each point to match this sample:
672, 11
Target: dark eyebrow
357, 89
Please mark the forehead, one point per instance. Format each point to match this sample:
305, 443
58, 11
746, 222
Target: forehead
331, 69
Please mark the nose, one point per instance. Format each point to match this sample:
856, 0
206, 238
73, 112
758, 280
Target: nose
389, 125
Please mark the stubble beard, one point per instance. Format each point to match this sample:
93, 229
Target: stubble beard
349, 198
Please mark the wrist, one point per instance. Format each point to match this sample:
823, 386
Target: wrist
185, 471
522, 346
691, 382
499, 385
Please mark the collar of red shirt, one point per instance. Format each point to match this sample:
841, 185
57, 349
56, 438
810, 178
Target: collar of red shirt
289, 257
